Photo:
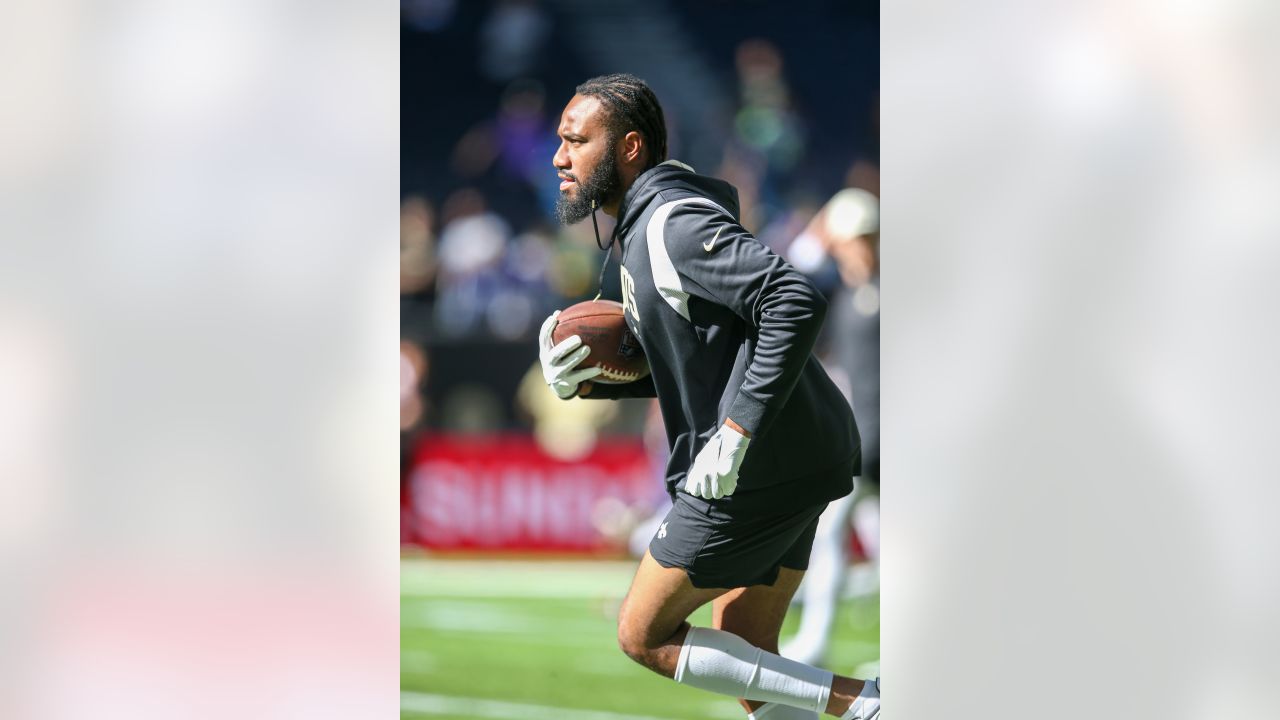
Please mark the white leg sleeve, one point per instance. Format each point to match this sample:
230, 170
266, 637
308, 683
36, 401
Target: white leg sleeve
777, 711
724, 663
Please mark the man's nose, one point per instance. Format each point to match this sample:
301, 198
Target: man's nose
561, 158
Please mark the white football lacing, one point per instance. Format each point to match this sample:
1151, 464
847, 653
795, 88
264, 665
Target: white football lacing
620, 376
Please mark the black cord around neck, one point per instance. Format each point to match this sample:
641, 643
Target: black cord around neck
608, 250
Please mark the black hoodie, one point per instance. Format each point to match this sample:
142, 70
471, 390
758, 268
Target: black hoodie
728, 328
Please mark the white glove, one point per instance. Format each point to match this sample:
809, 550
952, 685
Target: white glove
558, 362
714, 473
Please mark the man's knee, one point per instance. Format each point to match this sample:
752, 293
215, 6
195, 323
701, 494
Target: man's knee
638, 640
633, 648
631, 643
631, 635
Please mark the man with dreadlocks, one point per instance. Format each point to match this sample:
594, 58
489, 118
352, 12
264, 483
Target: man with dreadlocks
761, 439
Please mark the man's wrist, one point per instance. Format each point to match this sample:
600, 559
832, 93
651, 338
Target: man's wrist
737, 428
584, 388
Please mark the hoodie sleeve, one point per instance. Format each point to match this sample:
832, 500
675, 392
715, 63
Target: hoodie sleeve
719, 261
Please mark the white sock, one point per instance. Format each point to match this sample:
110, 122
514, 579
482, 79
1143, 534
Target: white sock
778, 711
867, 705
724, 663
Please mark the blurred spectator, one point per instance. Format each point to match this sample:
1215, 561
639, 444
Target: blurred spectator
525, 291
768, 137
850, 227
847, 229
513, 137
765, 122
510, 153
413, 375
472, 246
417, 246
414, 367
495, 285
522, 128
512, 39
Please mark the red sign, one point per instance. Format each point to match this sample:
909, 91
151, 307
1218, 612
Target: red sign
504, 493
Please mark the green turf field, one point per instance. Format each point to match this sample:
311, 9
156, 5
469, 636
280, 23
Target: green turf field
535, 641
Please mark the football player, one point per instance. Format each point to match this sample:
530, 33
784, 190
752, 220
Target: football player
761, 439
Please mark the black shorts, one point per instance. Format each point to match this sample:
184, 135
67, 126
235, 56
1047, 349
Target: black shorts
720, 549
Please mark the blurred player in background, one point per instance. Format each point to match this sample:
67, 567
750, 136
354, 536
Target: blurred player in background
848, 230
761, 439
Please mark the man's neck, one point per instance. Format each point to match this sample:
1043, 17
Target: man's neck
628, 179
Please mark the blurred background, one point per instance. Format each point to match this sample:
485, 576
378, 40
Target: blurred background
505, 489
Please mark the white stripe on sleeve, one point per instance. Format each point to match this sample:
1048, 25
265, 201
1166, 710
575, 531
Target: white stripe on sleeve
663, 270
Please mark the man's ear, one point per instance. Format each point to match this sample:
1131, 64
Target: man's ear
632, 147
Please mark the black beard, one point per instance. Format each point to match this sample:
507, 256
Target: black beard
602, 186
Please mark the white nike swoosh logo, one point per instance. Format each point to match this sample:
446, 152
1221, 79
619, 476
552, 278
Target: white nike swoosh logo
708, 245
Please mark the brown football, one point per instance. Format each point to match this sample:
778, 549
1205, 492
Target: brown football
602, 327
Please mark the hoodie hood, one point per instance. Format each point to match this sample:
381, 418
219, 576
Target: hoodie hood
668, 176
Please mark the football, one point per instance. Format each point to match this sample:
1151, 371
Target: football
602, 327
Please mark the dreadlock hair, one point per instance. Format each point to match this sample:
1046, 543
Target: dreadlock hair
631, 105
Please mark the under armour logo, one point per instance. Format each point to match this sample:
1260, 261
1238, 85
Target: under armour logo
662, 531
